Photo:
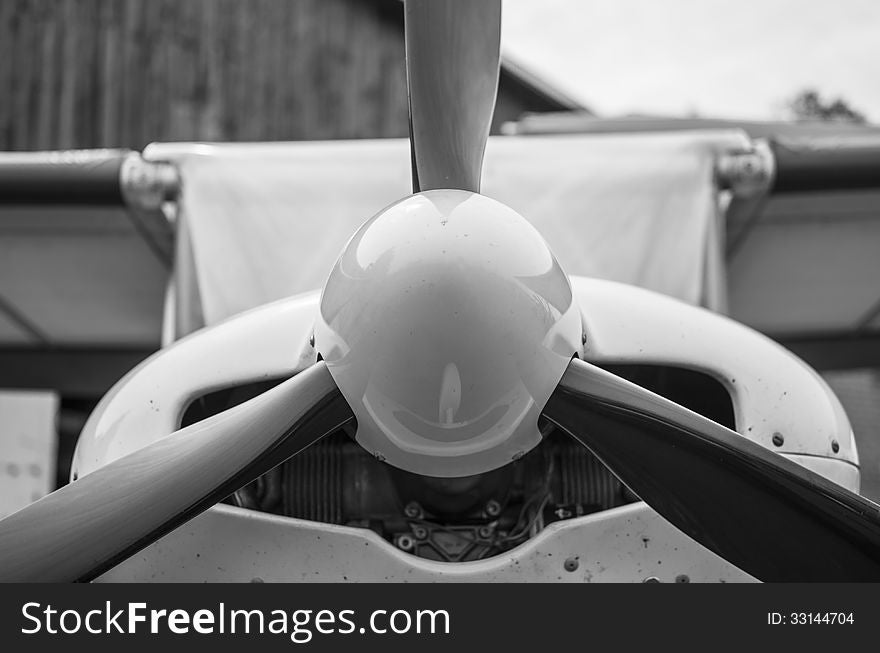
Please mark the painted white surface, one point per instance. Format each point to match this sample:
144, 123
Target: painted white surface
627, 544
27, 447
772, 390
447, 323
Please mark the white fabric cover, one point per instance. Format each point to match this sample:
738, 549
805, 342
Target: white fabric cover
259, 222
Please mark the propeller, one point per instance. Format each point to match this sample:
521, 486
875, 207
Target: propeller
452, 63
83, 529
763, 513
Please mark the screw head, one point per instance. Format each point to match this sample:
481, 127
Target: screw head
405, 542
420, 532
682, 578
493, 508
571, 564
778, 440
835, 446
651, 579
412, 510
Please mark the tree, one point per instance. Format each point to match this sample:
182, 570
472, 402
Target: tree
808, 105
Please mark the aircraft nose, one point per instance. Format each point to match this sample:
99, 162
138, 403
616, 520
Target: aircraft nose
447, 323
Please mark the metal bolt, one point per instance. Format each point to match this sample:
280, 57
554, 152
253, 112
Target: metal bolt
493, 508
571, 564
412, 510
420, 532
651, 579
405, 542
835, 446
682, 578
778, 440
485, 532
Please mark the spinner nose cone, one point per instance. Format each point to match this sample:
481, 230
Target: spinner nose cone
447, 323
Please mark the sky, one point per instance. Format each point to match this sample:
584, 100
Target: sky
715, 58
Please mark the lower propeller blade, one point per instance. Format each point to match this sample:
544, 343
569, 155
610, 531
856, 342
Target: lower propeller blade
86, 527
763, 513
452, 62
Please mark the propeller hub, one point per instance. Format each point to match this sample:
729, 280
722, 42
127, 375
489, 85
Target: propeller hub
447, 323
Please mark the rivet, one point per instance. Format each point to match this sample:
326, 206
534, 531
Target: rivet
651, 579
682, 578
571, 564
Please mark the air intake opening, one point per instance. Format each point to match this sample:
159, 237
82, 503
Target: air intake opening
455, 519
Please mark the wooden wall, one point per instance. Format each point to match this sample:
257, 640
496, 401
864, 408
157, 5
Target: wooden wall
108, 73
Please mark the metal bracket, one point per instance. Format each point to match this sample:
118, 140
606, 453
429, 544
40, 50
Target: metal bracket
747, 173
147, 185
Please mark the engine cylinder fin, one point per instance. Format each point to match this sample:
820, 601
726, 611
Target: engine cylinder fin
584, 480
313, 488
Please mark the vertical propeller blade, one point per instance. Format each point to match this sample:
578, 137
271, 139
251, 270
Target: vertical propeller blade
452, 62
78, 532
763, 513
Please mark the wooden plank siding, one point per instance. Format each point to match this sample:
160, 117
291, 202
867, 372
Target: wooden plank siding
122, 73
